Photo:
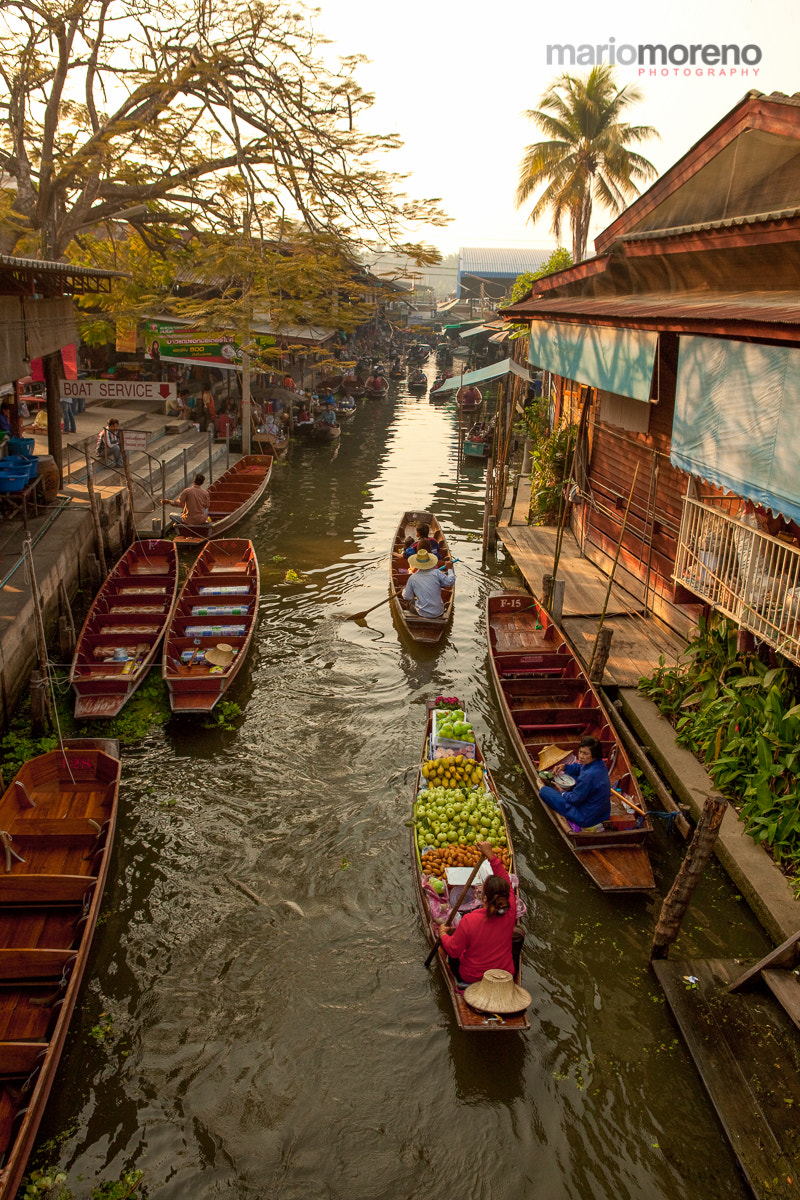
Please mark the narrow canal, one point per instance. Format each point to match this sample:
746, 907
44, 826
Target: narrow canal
298, 1048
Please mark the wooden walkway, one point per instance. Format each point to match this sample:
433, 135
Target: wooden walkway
638, 641
747, 1052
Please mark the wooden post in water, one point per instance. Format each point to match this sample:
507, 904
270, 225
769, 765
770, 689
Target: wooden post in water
602, 650
98, 529
38, 690
700, 849
129, 487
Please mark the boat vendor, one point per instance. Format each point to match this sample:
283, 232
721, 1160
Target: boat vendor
328, 415
486, 938
588, 803
425, 586
195, 501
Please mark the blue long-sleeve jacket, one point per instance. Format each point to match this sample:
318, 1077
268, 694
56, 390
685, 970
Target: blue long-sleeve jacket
589, 802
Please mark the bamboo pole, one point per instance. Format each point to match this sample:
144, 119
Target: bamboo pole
101, 553
614, 566
129, 487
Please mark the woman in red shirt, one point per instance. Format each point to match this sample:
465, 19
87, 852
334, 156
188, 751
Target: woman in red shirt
482, 939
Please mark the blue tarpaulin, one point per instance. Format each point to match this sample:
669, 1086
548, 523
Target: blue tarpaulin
614, 360
737, 419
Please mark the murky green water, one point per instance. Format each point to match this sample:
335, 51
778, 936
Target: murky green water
260, 1053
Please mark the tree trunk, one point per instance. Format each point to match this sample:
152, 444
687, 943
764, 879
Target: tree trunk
700, 849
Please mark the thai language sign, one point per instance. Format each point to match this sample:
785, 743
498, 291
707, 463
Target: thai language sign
172, 343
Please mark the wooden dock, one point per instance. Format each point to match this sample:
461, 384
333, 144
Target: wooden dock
639, 640
746, 1048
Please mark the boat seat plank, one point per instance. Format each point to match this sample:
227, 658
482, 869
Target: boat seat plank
785, 987
787, 955
25, 1012
18, 963
20, 1058
44, 889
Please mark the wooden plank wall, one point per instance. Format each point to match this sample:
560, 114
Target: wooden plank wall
650, 542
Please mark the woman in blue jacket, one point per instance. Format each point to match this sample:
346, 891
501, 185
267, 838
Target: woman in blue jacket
588, 803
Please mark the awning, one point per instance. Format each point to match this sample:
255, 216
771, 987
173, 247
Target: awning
496, 371
615, 360
736, 416
468, 333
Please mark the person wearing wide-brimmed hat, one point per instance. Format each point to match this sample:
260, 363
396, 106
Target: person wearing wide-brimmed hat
484, 938
497, 993
588, 803
425, 586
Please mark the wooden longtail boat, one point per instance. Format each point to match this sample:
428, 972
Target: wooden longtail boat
353, 386
322, 432
58, 818
218, 605
120, 636
468, 404
478, 442
233, 496
376, 393
421, 629
469, 1019
546, 699
417, 381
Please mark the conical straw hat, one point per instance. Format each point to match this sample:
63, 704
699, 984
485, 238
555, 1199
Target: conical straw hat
220, 655
550, 755
497, 993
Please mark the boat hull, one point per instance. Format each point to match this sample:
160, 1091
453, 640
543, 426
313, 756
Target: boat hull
130, 613
233, 496
425, 630
196, 686
546, 699
49, 906
470, 1020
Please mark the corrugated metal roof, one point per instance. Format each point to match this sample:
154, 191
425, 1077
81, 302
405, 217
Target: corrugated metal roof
57, 268
508, 262
782, 214
495, 371
776, 307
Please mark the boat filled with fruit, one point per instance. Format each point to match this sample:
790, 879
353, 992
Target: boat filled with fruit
456, 806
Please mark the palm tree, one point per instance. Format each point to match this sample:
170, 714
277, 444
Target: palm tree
588, 156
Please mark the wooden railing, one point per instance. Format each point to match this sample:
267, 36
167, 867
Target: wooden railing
742, 572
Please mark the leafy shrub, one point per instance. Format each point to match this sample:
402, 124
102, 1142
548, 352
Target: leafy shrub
742, 719
549, 467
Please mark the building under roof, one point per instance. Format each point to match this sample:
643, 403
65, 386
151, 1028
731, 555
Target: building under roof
492, 272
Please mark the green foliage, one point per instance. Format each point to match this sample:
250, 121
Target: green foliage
223, 716
549, 468
51, 1185
559, 260
742, 719
103, 1030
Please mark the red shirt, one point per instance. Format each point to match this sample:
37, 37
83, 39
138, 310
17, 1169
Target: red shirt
482, 943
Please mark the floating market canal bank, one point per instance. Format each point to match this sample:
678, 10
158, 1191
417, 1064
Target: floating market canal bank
267, 1023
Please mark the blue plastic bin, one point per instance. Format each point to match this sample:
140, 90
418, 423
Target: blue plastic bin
22, 445
13, 480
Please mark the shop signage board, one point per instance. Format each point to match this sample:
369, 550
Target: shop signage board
118, 389
164, 342
134, 439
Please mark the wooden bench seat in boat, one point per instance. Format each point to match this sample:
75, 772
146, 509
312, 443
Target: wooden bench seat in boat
20, 1058
36, 963
44, 889
535, 664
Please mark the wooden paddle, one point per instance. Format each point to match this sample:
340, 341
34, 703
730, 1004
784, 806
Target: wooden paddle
455, 909
359, 616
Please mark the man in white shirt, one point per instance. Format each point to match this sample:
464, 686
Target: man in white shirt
425, 586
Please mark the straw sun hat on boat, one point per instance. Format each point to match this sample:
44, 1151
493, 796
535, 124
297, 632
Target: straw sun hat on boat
423, 560
220, 655
550, 755
497, 993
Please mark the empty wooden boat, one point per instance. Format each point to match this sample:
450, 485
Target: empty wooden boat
421, 629
426, 865
546, 700
215, 616
232, 497
58, 818
120, 636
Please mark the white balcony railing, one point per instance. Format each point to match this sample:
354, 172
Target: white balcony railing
744, 573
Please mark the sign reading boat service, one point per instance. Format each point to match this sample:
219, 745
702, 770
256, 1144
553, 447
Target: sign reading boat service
117, 389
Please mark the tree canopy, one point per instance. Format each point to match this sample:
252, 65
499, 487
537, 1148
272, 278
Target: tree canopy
206, 116
588, 156
559, 260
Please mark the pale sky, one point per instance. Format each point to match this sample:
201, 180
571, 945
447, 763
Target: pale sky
454, 78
